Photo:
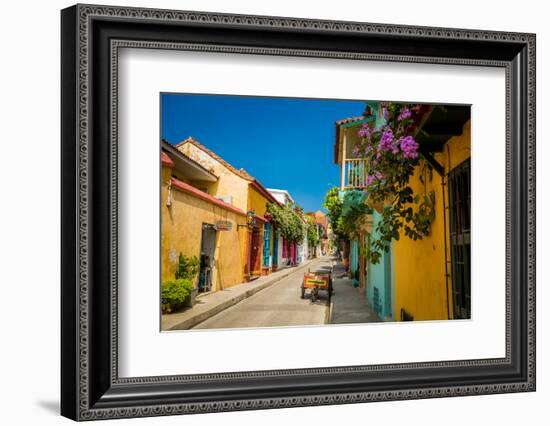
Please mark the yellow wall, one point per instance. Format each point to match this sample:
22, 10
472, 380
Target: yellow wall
256, 202
420, 286
181, 232
184, 230
228, 183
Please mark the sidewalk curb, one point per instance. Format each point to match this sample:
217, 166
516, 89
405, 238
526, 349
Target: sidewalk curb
330, 310
328, 316
203, 316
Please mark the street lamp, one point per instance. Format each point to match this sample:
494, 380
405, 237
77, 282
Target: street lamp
250, 220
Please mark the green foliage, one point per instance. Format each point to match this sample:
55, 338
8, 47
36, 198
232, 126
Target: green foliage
288, 219
174, 292
354, 210
401, 216
333, 203
188, 267
346, 212
312, 237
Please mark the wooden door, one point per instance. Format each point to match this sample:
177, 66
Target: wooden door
255, 245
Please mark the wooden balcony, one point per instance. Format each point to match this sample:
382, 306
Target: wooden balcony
354, 175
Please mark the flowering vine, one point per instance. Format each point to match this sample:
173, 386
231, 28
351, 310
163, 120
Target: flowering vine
391, 154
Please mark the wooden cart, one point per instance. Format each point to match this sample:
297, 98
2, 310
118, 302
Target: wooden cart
315, 282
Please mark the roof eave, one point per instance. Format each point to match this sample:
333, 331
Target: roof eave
207, 174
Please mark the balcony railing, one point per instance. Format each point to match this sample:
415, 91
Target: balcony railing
354, 174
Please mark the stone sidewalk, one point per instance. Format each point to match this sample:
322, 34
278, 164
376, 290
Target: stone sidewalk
349, 303
208, 305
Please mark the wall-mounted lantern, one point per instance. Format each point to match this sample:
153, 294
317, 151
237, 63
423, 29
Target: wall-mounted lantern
169, 196
250, 220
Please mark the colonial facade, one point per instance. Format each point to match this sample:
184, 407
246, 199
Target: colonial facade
427, 279
213, 211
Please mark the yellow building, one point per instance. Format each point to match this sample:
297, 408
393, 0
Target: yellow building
432, 276
214, 211
263, 236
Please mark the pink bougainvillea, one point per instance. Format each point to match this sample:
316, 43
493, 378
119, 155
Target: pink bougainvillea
391, 154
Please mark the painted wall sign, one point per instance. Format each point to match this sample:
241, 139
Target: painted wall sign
224, 225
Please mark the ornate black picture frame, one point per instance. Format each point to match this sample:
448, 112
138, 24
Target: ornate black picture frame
91, 37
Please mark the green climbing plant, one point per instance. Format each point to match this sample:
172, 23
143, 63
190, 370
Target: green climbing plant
289, 221
312, 236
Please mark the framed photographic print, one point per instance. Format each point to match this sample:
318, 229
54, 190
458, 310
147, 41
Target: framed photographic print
263, 212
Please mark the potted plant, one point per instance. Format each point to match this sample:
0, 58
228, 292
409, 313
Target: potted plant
188, 269
174, 294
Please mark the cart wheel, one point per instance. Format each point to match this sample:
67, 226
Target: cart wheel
303, 293
313, 297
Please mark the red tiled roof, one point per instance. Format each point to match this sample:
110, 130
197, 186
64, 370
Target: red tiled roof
185, 187
166, 160
349, 120
170, 149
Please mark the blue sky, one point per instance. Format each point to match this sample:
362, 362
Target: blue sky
285, 143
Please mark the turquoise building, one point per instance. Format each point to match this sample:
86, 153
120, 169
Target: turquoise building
379, 288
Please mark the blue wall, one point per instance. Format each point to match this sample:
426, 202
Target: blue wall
354, 259
379, 279
380, 276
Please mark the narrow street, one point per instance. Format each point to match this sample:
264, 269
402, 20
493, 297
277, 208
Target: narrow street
276, 306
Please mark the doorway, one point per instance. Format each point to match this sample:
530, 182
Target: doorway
275, 261
254, 260
207, 264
